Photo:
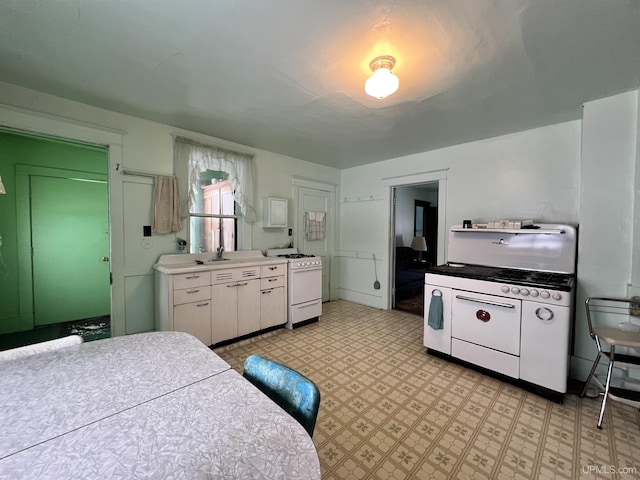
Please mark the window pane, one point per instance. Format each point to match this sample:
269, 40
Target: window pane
206, 235
208, 198
214, 197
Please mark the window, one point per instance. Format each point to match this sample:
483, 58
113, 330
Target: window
219, 194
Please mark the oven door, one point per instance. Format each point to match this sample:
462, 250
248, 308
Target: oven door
486, 320
305, 285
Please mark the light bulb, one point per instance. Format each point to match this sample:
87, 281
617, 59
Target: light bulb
382, 83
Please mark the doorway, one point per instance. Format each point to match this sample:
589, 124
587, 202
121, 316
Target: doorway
415, 218
55, 226
316, 198
70, 241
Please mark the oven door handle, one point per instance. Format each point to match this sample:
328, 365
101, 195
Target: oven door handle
303, 270
495, 304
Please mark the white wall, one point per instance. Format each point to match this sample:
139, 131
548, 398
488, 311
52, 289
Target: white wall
580, 172
142, 145
606, 238
533, 174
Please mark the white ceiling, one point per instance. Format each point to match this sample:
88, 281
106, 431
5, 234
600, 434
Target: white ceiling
287, 75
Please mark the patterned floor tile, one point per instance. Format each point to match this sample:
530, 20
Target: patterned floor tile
390, 411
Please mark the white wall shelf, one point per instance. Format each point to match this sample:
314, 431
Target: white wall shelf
547, 231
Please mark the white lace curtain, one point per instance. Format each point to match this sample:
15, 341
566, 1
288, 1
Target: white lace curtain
193, 158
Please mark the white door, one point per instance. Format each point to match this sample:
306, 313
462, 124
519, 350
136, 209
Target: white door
312, 201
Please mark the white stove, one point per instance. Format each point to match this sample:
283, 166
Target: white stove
304, 286
507, 300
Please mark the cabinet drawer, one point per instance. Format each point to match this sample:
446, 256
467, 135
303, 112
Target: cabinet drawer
271, 282
193, 294
187, 280
273, 270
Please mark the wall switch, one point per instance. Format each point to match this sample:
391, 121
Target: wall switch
146, 230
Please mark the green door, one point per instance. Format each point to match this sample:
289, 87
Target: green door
70, 247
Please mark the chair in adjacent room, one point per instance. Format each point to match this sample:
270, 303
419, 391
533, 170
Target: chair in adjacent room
291, 390
616, 323
41, 347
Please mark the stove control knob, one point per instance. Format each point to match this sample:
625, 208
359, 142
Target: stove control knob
534, 292
556, 296
505, 289
544, 294
524, 292
515, 290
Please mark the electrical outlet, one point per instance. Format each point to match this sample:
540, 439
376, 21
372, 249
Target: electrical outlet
146, 230
290, 231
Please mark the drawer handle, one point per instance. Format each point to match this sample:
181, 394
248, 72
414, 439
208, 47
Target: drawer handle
267, 291
231, 285
273, 279
273, 268
193, 291
486, 302
193, 276
242, 284
202, 304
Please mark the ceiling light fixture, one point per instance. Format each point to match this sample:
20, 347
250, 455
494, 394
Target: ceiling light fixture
382, 83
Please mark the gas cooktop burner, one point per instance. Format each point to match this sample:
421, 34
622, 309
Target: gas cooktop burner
529, 278
295, 255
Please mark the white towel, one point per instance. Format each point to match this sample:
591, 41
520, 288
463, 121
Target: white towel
314, 225
166, 208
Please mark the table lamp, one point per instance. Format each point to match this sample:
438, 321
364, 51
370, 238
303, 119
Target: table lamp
419, 244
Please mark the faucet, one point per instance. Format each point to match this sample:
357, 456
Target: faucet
219, 251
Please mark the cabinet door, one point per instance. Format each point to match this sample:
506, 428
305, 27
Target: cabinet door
224, 312
248, 306
194, 318
439, 340
275, 212
273, 304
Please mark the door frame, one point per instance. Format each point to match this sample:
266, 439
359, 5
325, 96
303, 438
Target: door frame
298, 183
419, 178
23, 229
28, 121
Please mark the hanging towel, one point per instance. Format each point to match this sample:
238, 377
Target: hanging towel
436, 319
314, 225
166, 207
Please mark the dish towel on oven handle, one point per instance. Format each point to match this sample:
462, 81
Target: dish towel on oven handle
436, 319
314, 225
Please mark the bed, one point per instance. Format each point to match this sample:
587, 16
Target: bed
410, 272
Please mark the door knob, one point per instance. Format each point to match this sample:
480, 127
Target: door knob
105, 259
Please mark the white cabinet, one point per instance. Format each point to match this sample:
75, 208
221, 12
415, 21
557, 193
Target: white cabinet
184, 304
194, 318
236, 309
236, 298
248, 307
218, 304
273, 295
275, 212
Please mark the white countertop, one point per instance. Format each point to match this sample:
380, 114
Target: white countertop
186, 263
